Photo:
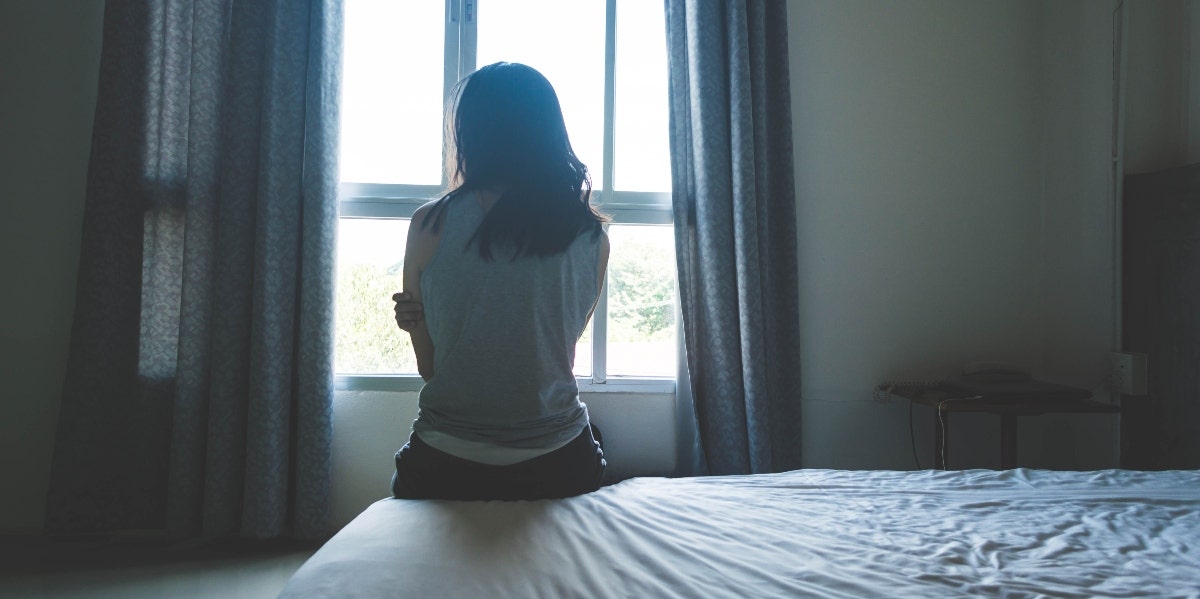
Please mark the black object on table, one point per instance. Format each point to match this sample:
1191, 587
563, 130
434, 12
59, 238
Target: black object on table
1008, 400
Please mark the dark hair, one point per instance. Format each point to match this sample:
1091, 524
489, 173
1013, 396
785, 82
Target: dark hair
505, 130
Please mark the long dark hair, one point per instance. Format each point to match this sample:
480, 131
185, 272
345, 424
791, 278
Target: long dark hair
505, 130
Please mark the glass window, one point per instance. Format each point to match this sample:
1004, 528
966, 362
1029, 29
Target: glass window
642, 153
370, 268
641, 301
400, 60
391, 111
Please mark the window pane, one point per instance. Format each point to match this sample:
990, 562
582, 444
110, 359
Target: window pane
565, 42
392, 104
641, 301
640, 146
369, 270
583, 353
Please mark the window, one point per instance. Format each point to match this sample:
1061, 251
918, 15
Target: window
607, 61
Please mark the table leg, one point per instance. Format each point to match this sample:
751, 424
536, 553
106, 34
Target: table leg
941, 438
1008, 441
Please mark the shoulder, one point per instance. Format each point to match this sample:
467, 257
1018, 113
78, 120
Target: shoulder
423, 238
428, 221
424, 213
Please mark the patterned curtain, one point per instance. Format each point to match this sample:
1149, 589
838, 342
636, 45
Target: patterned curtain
735, 229
198, 390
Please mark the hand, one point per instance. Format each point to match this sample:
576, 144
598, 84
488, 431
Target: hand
408, 312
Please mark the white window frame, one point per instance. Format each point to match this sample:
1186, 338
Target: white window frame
400, 201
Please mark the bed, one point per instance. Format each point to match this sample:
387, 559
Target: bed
823, 533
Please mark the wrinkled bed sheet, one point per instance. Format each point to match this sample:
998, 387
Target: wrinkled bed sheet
824, 533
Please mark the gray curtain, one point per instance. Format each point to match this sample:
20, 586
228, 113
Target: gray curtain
198, 390
735, 229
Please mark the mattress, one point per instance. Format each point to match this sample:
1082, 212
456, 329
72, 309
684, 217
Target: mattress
821, 533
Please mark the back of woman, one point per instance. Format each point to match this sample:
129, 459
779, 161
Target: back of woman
504, 334
501, 276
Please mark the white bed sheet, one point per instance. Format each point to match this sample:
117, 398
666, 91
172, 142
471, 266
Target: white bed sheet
824, 533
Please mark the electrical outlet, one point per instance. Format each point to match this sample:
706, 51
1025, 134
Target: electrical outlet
1127, 374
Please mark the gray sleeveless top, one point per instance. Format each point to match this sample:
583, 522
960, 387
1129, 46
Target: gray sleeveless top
504, 336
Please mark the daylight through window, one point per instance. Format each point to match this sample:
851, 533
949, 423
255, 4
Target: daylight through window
606, 60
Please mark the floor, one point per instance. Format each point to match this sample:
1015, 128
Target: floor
31, 567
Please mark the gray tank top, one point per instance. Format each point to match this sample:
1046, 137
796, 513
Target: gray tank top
504, 336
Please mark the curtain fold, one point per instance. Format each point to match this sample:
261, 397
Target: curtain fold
199, 385
735, 229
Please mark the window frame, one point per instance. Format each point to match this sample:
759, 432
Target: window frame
400, 201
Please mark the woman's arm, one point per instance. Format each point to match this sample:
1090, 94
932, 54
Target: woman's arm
418, 252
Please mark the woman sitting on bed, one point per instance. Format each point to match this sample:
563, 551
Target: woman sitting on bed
500, 279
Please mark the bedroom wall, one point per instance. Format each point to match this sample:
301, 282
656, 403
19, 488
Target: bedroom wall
1078, 264
49, 64
925, 202
1193, 78
1158, 108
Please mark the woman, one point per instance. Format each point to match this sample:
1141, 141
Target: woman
501, 276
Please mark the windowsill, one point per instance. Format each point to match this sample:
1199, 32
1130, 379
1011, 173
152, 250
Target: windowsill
407, 383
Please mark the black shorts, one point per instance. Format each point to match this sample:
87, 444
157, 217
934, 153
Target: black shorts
423, 472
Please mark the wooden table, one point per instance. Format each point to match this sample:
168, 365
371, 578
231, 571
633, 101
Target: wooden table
1032, 398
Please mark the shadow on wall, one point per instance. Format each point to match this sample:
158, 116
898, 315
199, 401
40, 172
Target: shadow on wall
1161, 296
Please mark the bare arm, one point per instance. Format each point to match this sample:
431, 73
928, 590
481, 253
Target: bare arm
418, 252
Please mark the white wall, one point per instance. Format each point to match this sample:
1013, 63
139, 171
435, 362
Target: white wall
923, 200
49, 64
1078, 263
1193, 78
1157, 108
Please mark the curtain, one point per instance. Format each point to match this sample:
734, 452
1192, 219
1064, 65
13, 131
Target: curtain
735, 229
198, 391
